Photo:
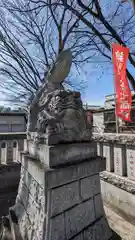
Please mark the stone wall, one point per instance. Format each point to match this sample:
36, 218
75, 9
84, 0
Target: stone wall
118, 181
118, 193
63, 203
9, 180
119, 151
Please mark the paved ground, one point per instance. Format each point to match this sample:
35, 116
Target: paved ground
123, 229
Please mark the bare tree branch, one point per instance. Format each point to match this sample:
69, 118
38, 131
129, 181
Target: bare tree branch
97, 18
31, 38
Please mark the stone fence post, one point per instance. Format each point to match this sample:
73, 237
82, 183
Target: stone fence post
120, 167
130, 157
109, 155
119, 151
100, 149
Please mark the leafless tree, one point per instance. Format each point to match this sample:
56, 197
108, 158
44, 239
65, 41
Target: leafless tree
110, 23
31, 36
35, 31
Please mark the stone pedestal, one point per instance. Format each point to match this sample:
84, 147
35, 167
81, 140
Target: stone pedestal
62, 154
63, 202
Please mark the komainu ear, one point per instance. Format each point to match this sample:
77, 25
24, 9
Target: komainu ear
61, 68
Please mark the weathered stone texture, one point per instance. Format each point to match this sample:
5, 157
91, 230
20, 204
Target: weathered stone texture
56, 115
90, 186
62, 154
59, 204
31, 199
119, 194
99, 211
78, 237
65, 175
57, 228
98, 231
79, 217
64, 197
119, 181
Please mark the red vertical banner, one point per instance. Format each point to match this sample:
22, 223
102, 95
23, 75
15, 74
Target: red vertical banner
123, 92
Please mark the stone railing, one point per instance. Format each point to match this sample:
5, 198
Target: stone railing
10, 145
119, 151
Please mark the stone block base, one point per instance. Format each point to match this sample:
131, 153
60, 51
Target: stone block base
63, 203
62, 154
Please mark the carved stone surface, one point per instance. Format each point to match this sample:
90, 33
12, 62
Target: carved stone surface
61, 154
57, 115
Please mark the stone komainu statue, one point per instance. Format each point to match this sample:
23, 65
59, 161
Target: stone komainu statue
56, 115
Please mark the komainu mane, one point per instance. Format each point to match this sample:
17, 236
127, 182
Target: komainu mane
56, 115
